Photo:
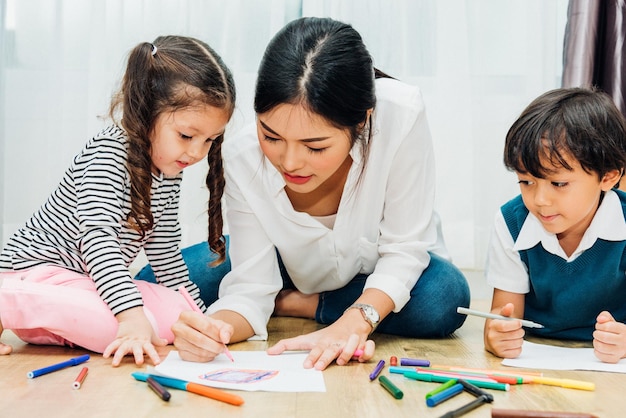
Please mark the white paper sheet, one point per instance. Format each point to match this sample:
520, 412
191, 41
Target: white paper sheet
251, 371
541, 356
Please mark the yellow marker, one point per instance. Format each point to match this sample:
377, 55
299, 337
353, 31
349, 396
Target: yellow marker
564, 383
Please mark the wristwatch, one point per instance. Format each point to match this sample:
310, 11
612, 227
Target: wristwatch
370, 314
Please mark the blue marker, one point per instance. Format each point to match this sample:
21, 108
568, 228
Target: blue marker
45, 370
444, 395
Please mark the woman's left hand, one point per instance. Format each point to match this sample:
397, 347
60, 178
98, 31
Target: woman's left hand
328, 344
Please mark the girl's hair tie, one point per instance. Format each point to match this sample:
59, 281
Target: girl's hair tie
154, 50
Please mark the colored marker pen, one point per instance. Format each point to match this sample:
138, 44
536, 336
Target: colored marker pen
78, 382
442, 387
476, 391
45, 370
390, 387
158, 389
414, 362
444, 395
377, 370
481, 400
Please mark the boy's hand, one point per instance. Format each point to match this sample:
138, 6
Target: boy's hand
609, 338
504, 338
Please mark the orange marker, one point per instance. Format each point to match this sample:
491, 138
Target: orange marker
213, 393
196, 388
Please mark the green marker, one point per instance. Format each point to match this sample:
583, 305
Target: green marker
441, 388
391, 388
426, 377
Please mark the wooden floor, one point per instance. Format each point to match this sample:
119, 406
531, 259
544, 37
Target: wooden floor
112, 392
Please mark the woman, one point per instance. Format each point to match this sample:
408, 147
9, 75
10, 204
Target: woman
330, 209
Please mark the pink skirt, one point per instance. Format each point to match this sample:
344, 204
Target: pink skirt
55, 306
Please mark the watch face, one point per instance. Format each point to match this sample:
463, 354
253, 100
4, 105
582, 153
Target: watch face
371, 313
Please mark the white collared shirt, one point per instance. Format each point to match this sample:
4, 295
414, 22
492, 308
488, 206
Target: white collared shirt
505, 269
384, 226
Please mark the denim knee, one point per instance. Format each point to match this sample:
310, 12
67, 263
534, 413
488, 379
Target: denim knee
431, 310
198, 259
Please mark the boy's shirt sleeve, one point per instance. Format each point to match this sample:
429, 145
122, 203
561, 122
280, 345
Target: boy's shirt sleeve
504, 268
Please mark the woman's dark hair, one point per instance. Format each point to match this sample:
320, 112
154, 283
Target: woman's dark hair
323, 65
583, 123
170, 74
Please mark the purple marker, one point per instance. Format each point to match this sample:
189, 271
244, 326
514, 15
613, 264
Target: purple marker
377, 370
414, 362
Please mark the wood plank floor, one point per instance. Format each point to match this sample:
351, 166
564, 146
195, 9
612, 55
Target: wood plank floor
112, 392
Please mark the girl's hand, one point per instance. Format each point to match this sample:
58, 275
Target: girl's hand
504, 338
134, 335
200, 338
336, 341
609, 338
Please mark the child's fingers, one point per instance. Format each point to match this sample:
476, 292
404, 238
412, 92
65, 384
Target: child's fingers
606, 353
500, 325
604, 317
507, 309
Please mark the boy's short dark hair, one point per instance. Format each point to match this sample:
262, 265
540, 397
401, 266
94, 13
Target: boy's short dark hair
582, 123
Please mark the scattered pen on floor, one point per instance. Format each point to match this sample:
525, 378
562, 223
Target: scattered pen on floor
158, 389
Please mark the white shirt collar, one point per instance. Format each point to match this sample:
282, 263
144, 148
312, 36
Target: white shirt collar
608, 224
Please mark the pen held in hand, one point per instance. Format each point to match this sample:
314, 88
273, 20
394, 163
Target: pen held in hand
228, 354
488, 315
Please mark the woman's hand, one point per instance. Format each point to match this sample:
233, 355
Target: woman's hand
504, 338
134, 335
609, 338
337, 341
200, 338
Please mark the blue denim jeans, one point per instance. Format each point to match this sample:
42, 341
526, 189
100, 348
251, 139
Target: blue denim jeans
430, 313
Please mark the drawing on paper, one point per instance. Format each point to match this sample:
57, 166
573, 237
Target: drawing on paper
239, 375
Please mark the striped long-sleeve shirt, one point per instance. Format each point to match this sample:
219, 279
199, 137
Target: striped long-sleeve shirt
82, 226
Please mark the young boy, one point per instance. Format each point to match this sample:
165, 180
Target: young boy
558, 251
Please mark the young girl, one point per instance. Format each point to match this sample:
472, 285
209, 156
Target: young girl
558, 251
330, 208
65, 272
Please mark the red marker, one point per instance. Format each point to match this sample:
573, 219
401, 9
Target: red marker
78, 382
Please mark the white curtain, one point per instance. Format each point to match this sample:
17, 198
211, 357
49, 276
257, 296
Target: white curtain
478, 63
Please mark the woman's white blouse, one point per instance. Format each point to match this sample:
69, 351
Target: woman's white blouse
384, 226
